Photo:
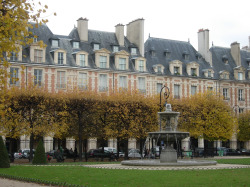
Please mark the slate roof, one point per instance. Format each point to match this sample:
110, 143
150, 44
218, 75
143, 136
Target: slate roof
177, 49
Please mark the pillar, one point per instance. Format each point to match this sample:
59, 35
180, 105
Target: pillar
233, 142
217, 143
185, 144
112, 143
24, 142
132, 143
92, 143
48, 143
247, 145
200, 142
70, 143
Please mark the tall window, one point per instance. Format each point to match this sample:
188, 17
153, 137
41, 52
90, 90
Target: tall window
82, 81
240, 95
103, 62
177, 91
159, 86
176, 70
193, 72
103, 86
61, 79
142, 85
123, 82
193, 90
122, 63
60, 57
13, 56
14, 74
225, 93
82, 59
38, 55
209, 74
240, 76
38, 75
141, 65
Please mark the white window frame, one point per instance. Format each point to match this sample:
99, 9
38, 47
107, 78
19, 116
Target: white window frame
82, 60
193, 90
103, 61
82, 81
240, 76
142, 84
14, 76
76, 45
141, 65
123, 82
13, 56
177, 91
103, 83
225, 93
122, 63
96, 46
133, 51
38, 77
54, 43
60, 58
240, 94
38, 55
115, 48
61, 79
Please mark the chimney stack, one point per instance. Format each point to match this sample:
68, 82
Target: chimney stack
82, 27
203, 45
119, 32
135, 33
235, 52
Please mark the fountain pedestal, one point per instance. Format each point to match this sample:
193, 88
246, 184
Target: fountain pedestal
168, 154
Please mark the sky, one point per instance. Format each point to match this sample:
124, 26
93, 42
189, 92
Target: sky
227, 21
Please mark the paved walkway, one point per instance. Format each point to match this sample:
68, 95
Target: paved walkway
14, 183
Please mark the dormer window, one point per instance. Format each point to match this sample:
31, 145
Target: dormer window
152, 51
13, 56
82, 60
198, 56
167, 53
193, 72
76, 45
159, 69
55, 43
186, 55
176, 70
209, 73
133, 51
34, 40
38, 55
224, 75
193, 69
115, 48
141, 65
122, 63
60, 58
96, 46
225, 59
248, 61
240, 76
239, 73
103, 61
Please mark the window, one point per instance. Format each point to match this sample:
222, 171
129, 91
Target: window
193, 90
209, 74
76, 45
159, 69
225, 76
34, 40
159, 87
123, 82
240, 95
14, 76
141, 85
96, 46
141, 65
82, 59
176, 70
61, 79
54, 43
82, 81
177, 91
225, 93
103, 62
115, 49
193, 72
241, 110
38, 55
210, 88
103, 87
13, 56
38, 75
240, 76
168, 54
133, 51
122, 63
60, 57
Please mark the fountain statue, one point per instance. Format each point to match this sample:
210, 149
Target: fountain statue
170, 134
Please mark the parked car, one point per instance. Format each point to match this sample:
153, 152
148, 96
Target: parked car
244, 152
134, 153
51, 153
23, 153
114, 150
233, 152
97, 153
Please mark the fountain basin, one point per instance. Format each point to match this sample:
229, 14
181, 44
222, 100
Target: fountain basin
179, 163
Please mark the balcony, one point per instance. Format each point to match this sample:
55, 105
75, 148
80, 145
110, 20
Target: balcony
241, 99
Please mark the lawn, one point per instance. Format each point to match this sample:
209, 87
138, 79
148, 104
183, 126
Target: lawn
79, 175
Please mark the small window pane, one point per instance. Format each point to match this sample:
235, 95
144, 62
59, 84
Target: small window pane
76, 45
54, 43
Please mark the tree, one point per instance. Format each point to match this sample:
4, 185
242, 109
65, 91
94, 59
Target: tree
4, 157
244, 126
40, 157
205, 114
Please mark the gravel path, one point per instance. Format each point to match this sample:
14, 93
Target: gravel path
14, 183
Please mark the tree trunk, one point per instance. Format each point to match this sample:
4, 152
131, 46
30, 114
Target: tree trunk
126, 149
85, 149
80, 136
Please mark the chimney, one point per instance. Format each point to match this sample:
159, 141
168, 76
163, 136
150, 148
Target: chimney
203, 45
119, 32
235, 52
82, 28
135, 33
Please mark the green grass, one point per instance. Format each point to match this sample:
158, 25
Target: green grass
243, 161
78, 175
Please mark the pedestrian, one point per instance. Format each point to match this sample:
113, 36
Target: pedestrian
49, 158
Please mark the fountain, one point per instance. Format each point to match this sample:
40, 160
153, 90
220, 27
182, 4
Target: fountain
168, 156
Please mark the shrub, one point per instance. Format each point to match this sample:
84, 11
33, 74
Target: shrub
4, 157
40, 157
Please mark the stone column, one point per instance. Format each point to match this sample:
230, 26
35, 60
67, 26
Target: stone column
217, 143
247, 145
92, 143
132, 143
70, 143
24, 142
48, 143
4, 139
112, 143
201, 142
233, 142
185, 144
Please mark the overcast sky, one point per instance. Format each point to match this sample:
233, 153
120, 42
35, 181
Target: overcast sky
228, 21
